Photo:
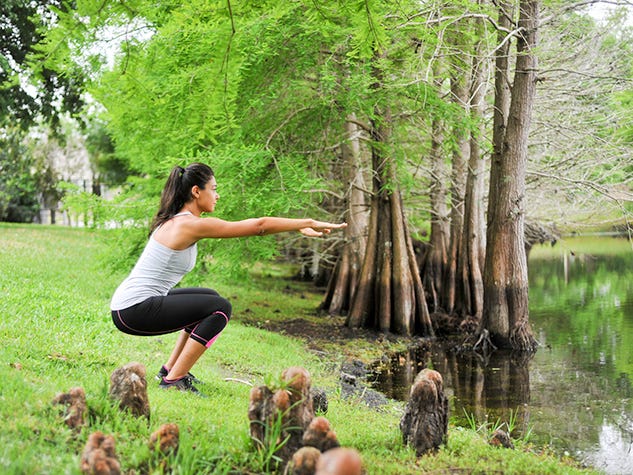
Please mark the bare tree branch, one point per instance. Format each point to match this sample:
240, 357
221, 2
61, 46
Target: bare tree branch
580, 4
583, 73
283, 124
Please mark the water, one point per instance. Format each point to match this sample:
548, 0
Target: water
575, 393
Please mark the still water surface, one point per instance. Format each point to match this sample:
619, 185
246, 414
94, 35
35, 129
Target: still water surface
575, 393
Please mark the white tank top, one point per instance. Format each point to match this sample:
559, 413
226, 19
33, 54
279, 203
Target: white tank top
157, 271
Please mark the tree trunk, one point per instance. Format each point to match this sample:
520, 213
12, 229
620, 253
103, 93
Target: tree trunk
459, 92
361, 312
436, 258
471, 260
389, 294
345, 277
505, 314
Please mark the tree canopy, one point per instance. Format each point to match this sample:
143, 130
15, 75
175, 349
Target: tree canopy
32, 89
271, 93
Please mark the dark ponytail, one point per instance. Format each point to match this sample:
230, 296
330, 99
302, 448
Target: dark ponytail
177, 190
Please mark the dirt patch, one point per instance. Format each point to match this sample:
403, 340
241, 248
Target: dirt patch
321, 333
329, 329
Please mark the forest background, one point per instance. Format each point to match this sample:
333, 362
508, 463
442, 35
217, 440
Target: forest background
441, 131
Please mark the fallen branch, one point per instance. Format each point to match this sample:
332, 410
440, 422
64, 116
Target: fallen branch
239, 381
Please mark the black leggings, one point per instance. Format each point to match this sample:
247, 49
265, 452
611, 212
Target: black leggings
200, 312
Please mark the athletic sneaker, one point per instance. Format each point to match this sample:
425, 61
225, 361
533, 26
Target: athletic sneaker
163, 372
182, 384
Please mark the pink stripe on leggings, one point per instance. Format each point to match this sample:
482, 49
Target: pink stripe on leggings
212, 340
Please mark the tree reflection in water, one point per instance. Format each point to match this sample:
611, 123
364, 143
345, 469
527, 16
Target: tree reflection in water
493, 389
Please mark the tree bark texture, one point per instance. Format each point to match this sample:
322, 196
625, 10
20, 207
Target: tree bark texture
505, 313
424, 424
128, 387
436, 258
344, 279
279, 417
74, 405
99, 455
389, 296
471, 260
459, 92
460, 95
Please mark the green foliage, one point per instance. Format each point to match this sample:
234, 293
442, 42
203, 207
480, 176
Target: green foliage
84, 206
169, 97
24, 179
21, 32
261, 92
487, 428
624, 103
110, 168
274, 440
18, 187
128, 215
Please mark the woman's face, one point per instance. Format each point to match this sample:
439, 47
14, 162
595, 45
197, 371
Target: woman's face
208, 196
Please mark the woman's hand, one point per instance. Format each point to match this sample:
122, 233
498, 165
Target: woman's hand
319, 228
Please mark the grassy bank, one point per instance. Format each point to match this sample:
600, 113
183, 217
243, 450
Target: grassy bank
586, 245
57, 334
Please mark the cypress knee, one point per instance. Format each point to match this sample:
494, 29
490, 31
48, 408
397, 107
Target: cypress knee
424, 424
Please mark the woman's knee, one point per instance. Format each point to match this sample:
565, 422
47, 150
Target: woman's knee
225, 307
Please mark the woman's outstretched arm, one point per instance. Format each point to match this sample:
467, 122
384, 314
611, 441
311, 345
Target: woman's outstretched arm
200, 228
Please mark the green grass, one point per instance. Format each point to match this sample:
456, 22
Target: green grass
56, 333
592, 245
